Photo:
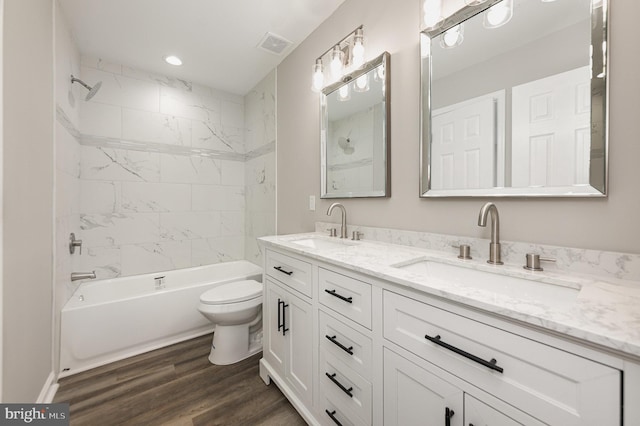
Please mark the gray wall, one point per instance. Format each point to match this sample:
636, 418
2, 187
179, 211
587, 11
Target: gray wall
28, 197
606, 224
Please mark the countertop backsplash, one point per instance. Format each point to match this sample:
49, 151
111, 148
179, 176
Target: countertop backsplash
609, 265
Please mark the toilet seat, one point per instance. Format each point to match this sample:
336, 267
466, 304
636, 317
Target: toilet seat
234, 292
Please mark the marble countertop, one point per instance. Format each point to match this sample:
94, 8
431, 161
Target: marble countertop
596, 310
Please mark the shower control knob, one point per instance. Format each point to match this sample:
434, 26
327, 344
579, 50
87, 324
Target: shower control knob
73, 243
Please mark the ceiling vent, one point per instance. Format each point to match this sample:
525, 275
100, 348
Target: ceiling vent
273, 43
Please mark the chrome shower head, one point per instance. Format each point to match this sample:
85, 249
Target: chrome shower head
92, 90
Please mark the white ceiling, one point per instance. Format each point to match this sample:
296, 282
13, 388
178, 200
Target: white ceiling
216, 39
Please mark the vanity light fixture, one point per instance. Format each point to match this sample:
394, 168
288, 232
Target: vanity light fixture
498, 14
452, 37
346, 55
173, 60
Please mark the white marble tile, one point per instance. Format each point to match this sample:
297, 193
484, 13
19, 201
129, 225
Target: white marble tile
155, 257
190, 105
217, 198
212, 136
112, 229
100, 64
216, 250
232, 114
189, 169
123, 91
119, 165
67, 152
99, 196
232, 173
260, 195
155, 197
231, 223
106, 261
67, 194
155, 127
178, 226
101, 120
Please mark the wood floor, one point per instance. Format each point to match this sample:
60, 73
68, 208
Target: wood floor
175, 385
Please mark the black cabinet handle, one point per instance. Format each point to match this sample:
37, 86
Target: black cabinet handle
333, 340
284, 318
447, 416
279, 268
280, 303
339, 296
332, 377
333, 417
489, 364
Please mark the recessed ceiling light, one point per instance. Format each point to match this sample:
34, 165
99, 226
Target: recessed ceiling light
173, 60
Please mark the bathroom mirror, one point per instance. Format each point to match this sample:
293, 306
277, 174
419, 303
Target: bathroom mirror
514, 100
354, 133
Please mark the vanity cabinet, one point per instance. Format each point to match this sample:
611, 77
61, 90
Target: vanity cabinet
350, 349
287, 328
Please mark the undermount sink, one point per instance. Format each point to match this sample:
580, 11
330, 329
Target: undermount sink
321, 243
515, 287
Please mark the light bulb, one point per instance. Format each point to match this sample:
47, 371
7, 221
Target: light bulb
452, 37
362, 83
498, 14
358, 48
318, 76
432, 10
343, 93
336, 61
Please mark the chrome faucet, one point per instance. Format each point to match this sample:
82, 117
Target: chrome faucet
494, 245
343, 225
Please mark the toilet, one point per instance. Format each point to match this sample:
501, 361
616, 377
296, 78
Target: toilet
236, 310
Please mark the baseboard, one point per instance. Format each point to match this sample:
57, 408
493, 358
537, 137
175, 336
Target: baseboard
49, 390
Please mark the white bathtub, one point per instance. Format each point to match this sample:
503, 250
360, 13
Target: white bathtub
109, 320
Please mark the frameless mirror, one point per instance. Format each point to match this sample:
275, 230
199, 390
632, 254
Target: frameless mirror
514, 100
354, 133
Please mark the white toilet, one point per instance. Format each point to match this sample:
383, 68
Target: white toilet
236, 310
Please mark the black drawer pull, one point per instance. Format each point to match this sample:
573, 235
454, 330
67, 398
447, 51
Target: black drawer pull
284, 319
489, 364
333, 340
332, 377
339, 296
448, 413
279, 268
280, 303
333, 417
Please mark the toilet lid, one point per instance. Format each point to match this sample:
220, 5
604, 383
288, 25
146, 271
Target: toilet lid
236, 291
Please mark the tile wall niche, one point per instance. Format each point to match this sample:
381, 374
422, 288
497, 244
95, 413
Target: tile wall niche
166, 179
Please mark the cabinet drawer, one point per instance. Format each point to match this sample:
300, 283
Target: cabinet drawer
345, 295
290, 271
552, 385
330, 414
345, 388
346, 344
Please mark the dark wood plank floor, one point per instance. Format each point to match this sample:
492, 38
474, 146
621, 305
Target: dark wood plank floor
175, 385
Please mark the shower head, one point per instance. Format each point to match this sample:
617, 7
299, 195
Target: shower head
92, 90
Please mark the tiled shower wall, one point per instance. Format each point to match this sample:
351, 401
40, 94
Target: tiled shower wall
162, 171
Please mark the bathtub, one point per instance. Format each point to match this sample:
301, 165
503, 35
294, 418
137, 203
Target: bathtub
112, 319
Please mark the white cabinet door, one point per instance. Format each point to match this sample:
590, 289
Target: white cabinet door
414, 396
275, 343
551, 131
477, 413
298, 323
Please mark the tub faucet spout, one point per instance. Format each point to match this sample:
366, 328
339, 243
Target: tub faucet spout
494, 245
75, 276
343, 225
